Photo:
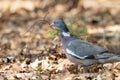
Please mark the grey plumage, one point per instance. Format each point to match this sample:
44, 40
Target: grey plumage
88, 53
83, 49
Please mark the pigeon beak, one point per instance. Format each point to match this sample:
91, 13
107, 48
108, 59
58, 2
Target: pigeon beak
53, 26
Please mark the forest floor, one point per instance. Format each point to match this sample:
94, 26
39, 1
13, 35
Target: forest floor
30, 52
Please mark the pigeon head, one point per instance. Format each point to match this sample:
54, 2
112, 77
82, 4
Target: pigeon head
60, 25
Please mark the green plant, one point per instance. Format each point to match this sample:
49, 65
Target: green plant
38, 69
82, 31
52, 33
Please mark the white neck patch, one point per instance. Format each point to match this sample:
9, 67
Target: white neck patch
66, 34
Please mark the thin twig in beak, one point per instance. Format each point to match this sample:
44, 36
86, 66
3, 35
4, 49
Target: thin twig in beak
52, 26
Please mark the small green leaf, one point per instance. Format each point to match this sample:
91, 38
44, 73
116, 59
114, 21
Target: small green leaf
84, 29
81, 69
52, 33
33, 39
39, 69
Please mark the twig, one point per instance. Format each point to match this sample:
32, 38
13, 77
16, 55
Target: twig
39, 21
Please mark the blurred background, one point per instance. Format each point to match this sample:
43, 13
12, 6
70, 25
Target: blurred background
31, 50
97, 21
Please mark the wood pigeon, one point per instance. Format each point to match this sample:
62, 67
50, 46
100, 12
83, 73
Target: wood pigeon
82, 52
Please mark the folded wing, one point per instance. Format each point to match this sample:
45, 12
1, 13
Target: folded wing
83, 49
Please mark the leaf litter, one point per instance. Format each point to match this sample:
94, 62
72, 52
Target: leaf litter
26, 54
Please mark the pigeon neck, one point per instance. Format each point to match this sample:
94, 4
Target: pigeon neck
65, 34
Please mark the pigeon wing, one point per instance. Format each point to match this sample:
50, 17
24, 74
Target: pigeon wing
83, 49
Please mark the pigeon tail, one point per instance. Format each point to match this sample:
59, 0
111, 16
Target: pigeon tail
107, 57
